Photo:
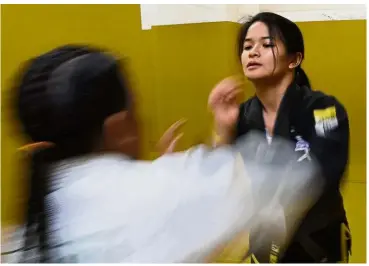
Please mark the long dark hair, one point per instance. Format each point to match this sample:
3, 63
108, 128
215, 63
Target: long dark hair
287, 31
63, 97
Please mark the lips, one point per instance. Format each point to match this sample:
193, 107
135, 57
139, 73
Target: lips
253, 65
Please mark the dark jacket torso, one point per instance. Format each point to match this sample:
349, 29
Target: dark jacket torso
319, 121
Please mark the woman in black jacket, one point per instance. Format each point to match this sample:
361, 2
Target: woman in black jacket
271, 50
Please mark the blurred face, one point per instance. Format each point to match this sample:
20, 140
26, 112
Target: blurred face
263, 57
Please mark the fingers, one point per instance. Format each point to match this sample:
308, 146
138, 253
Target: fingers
226, 89
172, 131
234, 95
236, 80
170, 137
173, 144
175, 127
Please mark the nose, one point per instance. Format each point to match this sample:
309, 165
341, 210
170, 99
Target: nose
254, 52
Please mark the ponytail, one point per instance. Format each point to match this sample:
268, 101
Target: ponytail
301, 78
37, 214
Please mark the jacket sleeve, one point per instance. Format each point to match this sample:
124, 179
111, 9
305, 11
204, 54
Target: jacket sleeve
330, 139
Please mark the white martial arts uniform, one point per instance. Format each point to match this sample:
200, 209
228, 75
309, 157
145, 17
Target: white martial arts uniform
178, 208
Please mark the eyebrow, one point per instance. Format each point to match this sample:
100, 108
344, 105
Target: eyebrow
262, 38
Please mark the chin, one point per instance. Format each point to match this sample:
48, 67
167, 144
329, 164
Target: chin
255, 77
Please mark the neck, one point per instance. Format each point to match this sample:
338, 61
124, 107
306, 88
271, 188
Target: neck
271, 92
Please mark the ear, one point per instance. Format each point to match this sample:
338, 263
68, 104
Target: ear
120, 134
296, 61
113, 130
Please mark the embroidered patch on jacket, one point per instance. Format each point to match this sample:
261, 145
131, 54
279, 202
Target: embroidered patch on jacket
303, 146
325, 120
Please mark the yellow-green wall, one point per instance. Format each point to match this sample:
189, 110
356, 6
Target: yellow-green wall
189, 60
173, 68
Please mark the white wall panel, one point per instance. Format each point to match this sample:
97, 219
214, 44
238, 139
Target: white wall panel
152, 15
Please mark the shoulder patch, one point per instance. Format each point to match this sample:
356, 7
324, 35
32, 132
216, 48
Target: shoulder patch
325, 120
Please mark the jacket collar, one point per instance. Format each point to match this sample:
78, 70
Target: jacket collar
286, 114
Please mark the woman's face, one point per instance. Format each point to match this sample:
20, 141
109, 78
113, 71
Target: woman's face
263, 57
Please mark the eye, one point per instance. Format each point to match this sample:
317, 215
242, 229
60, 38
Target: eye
247, 47
269, 45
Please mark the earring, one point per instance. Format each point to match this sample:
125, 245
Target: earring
295, 65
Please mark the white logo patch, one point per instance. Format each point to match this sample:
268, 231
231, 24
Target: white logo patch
325, 120
302, 145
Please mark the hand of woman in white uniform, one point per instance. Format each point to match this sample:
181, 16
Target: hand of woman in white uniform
170, 138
